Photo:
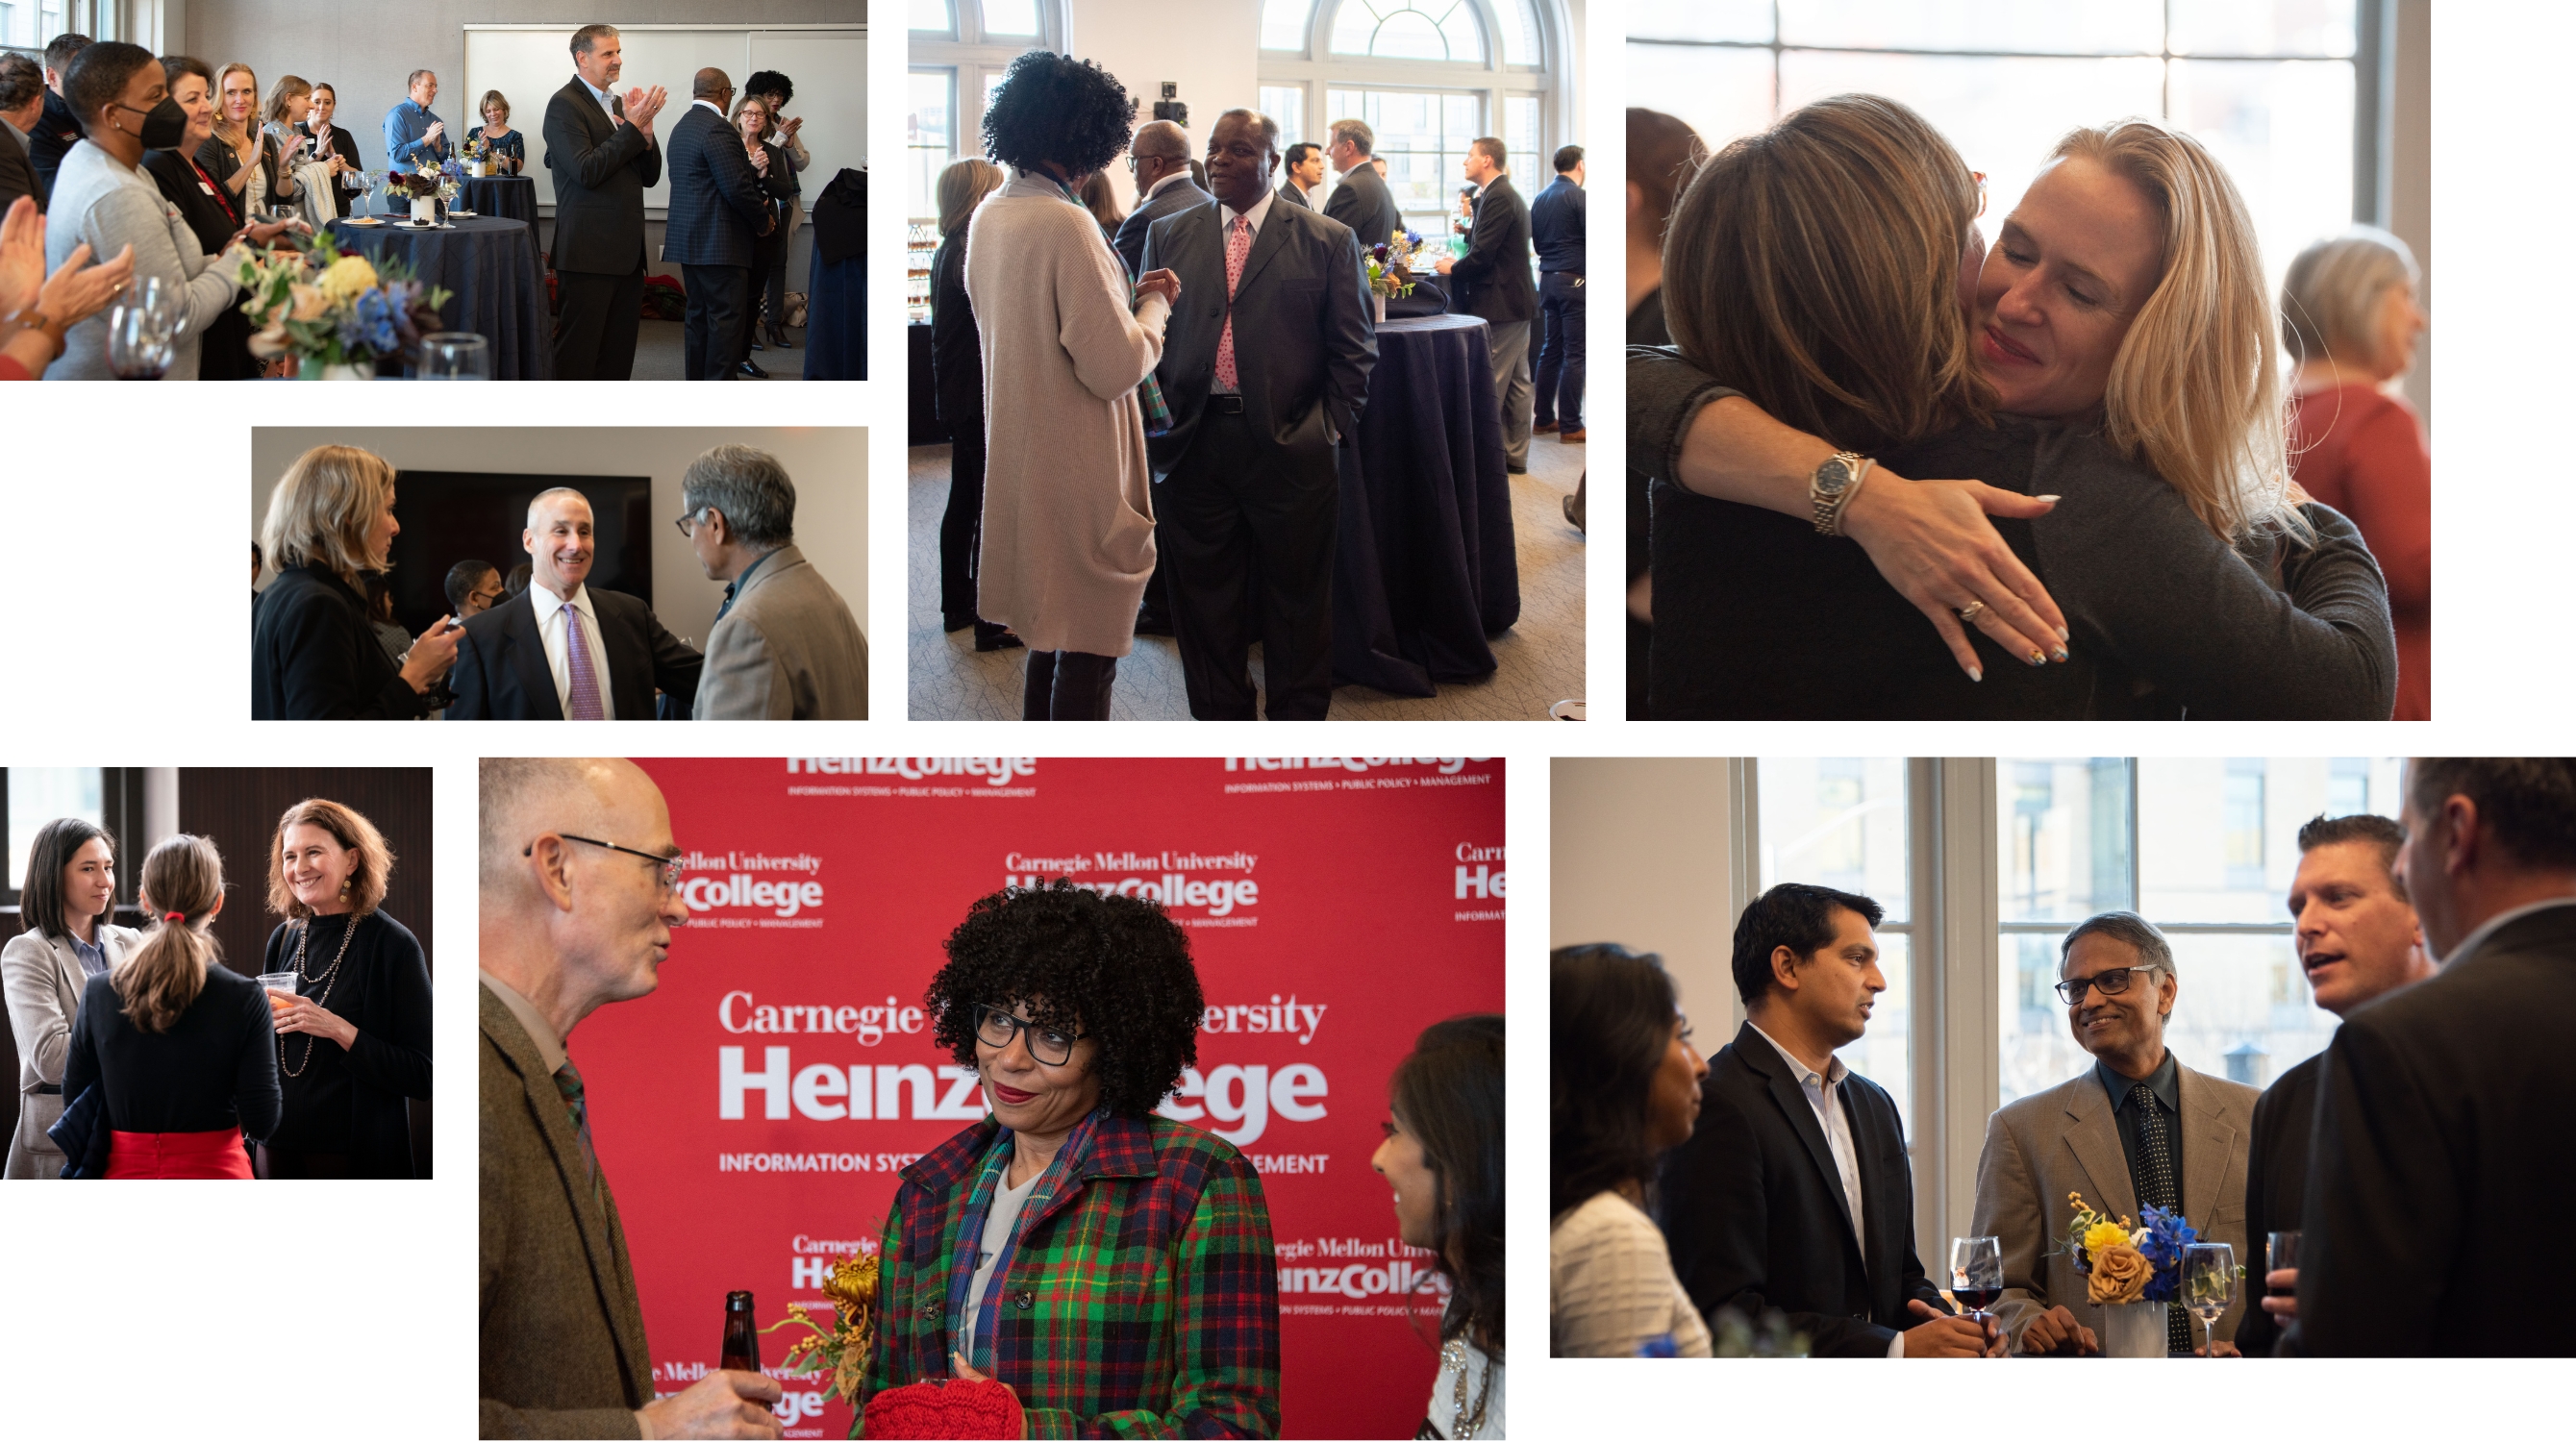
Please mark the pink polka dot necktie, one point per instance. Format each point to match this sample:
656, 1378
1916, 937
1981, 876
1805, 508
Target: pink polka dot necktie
1238, 245
585, 677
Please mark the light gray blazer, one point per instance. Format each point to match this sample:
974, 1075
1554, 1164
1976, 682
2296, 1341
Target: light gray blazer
788, 650
2065, 1140
43, 980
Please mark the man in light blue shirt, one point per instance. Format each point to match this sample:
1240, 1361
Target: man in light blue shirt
415, 137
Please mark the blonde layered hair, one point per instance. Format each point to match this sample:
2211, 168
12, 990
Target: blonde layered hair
1815, 268
225, 129
323, 508
2195, 391
182, 875
355, 833
962, 187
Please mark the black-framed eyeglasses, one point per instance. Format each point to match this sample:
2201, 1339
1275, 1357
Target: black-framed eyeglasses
2111, 983
672, 867
688, 524
995, 1028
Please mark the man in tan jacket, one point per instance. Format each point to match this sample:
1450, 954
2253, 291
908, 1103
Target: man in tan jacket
2138, 1129
785, 646
572, 919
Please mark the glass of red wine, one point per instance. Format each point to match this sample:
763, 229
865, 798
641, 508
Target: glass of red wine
143, 329
1977, 1274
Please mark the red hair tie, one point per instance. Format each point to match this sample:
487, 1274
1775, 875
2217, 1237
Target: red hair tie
175, 916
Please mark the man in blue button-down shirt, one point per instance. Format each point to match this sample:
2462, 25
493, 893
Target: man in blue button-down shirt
413, 135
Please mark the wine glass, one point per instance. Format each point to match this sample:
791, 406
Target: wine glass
1977, 1274
143, 327
2209, 1285
449, 355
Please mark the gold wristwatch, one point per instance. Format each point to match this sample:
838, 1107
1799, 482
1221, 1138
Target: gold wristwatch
1832, 487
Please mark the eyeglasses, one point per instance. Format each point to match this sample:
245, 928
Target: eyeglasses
1980, 177
2111, 983
672, 867
688, 524
995, 1028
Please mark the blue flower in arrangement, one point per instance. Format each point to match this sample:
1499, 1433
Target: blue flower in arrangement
370, 326
2167, 1235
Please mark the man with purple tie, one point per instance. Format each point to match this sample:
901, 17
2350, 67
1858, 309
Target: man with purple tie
562, 651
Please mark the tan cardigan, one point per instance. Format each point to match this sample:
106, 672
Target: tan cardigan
1068, 513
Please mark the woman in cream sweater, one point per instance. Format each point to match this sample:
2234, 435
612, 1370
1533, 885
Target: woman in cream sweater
1068, 537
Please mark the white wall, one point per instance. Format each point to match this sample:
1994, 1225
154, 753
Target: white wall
2410, 208
1213, 51
1638, 854
828, 465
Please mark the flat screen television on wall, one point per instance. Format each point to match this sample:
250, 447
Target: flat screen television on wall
451, 516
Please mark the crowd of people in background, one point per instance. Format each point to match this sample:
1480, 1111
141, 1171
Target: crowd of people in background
1766, 1196
325, 644
143, 1054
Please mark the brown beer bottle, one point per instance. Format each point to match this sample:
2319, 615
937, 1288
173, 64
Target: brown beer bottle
741, 1336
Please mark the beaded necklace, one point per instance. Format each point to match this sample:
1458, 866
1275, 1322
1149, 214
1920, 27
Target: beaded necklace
330, 975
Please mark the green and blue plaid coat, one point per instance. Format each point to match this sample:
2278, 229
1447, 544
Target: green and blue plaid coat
1141, 1298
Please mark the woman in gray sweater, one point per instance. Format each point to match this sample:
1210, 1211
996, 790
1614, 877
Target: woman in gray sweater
103, 197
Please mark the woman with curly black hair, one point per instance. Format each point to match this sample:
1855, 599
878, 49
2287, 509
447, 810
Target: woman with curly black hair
1443, 1156
1118, 1264
1068, 541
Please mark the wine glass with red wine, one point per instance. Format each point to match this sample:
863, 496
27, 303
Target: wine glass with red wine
142, 329
1977, 1274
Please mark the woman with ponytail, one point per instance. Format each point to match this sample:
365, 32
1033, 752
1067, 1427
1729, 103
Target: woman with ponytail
180, 1048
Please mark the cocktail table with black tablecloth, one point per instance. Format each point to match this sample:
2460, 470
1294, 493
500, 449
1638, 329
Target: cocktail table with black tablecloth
511, 197
1425, 569
490, 265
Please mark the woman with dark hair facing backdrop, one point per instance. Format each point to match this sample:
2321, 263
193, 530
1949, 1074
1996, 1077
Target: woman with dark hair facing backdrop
1111, 1267
1068, 541
353, 1041
1623, 1089
1443, 1156
66, 905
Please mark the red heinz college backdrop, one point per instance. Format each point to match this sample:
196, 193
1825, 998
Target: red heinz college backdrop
753, 1112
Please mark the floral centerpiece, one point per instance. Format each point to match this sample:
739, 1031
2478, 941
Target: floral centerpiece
2133, 1270
841, 1349
438, 182
1391, 267
338, 315
478, 155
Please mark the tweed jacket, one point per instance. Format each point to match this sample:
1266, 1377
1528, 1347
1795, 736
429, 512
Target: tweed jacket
562, 1334
1141, 1298
787, 650
43, 979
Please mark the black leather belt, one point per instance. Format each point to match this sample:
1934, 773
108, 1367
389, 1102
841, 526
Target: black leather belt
49, 1089
1225, 405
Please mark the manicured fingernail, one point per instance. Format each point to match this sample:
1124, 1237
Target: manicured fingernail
2061, 653
2037, 659
2062, 636
2052, 500
1976, 673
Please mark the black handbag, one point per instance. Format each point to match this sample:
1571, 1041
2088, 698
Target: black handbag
83, 1134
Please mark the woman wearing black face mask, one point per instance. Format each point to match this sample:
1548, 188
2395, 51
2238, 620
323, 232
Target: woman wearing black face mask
212, 212
103, 196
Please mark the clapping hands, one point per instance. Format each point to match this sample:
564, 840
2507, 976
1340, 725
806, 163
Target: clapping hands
75, 291
642, 105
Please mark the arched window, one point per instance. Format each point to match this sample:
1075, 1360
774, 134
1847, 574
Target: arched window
1428, 76
958, 51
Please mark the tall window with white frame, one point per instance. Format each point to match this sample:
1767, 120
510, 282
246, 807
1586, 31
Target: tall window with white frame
1843, 822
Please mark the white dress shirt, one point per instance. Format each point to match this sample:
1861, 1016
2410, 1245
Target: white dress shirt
711, 105
1822, 1089
1225, 215
549, 607
602, 96
1159, 186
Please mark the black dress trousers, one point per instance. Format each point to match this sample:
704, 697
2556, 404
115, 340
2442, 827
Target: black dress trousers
719, 328
1246, 539
597, 318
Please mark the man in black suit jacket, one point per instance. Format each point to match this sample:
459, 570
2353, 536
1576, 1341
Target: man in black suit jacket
2441, 1129
1305, 170
600, 152
1361, 200
1160, 156
2357, 940
1794, 1192
515, 662
717, 214
1494, 279
1266, 373
57, 128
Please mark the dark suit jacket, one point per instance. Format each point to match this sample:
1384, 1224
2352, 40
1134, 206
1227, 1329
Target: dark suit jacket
2276, 1188
1753, 1207
600, 170
717, 210
17, 177
314, 657
1556, 225
501, 672
345, 145
1494, 274
1172, 199
57, 130
1303, 343
1362, 201
1291, 194
562, 1333
2441, 1135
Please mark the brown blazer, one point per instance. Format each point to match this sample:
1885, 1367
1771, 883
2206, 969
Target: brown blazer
562, 1333
2064, 1140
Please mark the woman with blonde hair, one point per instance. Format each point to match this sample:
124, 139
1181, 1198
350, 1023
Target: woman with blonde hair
179, 1047
245, 159
353, 1042
313, 654
508, 148
307, 169
957, 390
2108, 365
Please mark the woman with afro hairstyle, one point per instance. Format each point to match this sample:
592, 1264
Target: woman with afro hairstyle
1068, 540
1111, 1267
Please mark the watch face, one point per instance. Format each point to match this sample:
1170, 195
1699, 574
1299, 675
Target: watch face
1832, 476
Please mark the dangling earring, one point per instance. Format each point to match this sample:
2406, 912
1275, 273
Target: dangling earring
344, 888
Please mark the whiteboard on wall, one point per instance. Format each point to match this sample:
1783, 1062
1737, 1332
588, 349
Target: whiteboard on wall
828, 63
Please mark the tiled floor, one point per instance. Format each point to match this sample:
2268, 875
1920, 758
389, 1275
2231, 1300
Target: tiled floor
1541, 658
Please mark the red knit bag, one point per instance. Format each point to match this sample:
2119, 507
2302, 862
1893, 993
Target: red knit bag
946, 1408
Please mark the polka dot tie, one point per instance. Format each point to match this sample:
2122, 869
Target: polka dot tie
1238, 245
2156, 1189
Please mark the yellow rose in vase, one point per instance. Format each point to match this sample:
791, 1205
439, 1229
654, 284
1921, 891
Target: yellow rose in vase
2120, 1274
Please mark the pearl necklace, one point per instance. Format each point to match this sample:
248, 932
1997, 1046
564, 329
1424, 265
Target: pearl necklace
330, 975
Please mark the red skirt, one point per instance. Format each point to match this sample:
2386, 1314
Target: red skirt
172, 1155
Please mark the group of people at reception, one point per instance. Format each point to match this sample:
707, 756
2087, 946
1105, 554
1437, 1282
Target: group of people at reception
150, 1056
542, 644
1148, 408
1766, 1191
2182, 498
165, 169
1078, 1012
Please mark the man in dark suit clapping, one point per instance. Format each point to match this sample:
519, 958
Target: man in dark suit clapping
1495, 283
562, 651
717, 212
1362, 200
2441, 1124
1265, 367
601, 155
